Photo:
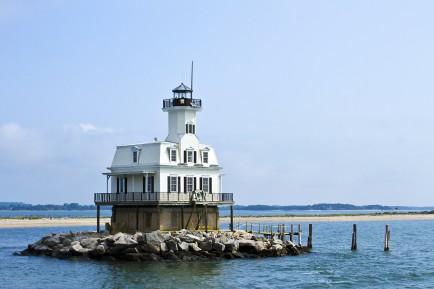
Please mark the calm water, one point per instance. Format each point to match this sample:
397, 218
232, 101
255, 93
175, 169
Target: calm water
223, 212
409, 263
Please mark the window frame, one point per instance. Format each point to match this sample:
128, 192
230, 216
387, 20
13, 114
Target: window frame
205, 184
205, 157
173, 156
173, 184
190, 156
190, 186
135, 156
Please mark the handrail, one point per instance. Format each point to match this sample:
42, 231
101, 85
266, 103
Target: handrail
160, 196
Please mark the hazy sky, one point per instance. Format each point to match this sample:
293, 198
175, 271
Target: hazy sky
304, 101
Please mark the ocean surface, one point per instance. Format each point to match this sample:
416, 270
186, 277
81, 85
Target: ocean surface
223, 212
408, 264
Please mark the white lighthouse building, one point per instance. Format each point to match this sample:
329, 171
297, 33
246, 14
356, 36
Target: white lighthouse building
167, 185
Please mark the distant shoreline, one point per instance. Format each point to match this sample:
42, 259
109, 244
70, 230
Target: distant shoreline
69, 222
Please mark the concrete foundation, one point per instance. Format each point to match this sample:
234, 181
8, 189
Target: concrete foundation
164, 218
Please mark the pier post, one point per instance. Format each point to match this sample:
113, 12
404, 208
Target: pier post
232, 219
206, 218
299, 235
182, 217
98, 213
354, 239
291, 236
137, 218
386, 238
309, 239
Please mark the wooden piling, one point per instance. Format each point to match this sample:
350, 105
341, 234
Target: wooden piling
291, 236
386, 238
354, 239
98, 214
309, 239
299, 235
232, 219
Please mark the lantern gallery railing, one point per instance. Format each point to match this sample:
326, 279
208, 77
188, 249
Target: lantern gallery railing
193, 102
116, 198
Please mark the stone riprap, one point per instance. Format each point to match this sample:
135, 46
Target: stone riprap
155, 246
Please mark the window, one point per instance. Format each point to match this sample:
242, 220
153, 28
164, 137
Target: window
135, 157
121, 185
190, 184
205, 157
173, 184
173, 155
190, 128
189, 156
150, 185
205, 184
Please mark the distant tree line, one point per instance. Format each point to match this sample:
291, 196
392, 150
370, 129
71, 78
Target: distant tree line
65, 207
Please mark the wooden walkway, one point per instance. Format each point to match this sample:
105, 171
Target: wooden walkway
280, 230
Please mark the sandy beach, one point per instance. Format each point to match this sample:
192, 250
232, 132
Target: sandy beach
65, 222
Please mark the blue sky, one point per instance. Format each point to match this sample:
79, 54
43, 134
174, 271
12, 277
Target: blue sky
304, 101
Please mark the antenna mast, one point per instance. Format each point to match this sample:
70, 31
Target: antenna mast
191, 83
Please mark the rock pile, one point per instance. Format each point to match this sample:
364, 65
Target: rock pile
155, 246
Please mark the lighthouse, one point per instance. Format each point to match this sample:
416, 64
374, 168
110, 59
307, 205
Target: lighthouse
167, 185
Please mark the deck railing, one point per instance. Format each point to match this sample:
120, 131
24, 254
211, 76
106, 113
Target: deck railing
193, 102
102, 198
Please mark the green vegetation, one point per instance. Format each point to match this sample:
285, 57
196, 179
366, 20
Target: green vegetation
14, 206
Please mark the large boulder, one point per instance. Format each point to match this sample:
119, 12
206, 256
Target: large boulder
246, 243
194, 247
154, 238
171, 245
183, 246
219, 247
163, 248
151, 248
51, 241
76, 248
232, 245
89, 243
206, 246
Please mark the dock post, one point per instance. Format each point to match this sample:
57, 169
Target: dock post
284, 233
309, 239
137, 217
299, 235
232, 219
354, 239
386, 238
206, 218
182, 217
291, 236
98, 212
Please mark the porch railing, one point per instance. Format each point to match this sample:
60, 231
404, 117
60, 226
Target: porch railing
102, 198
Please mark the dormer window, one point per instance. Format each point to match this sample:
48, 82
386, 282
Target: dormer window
173, 155
205, 157
136, 153
190, 156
